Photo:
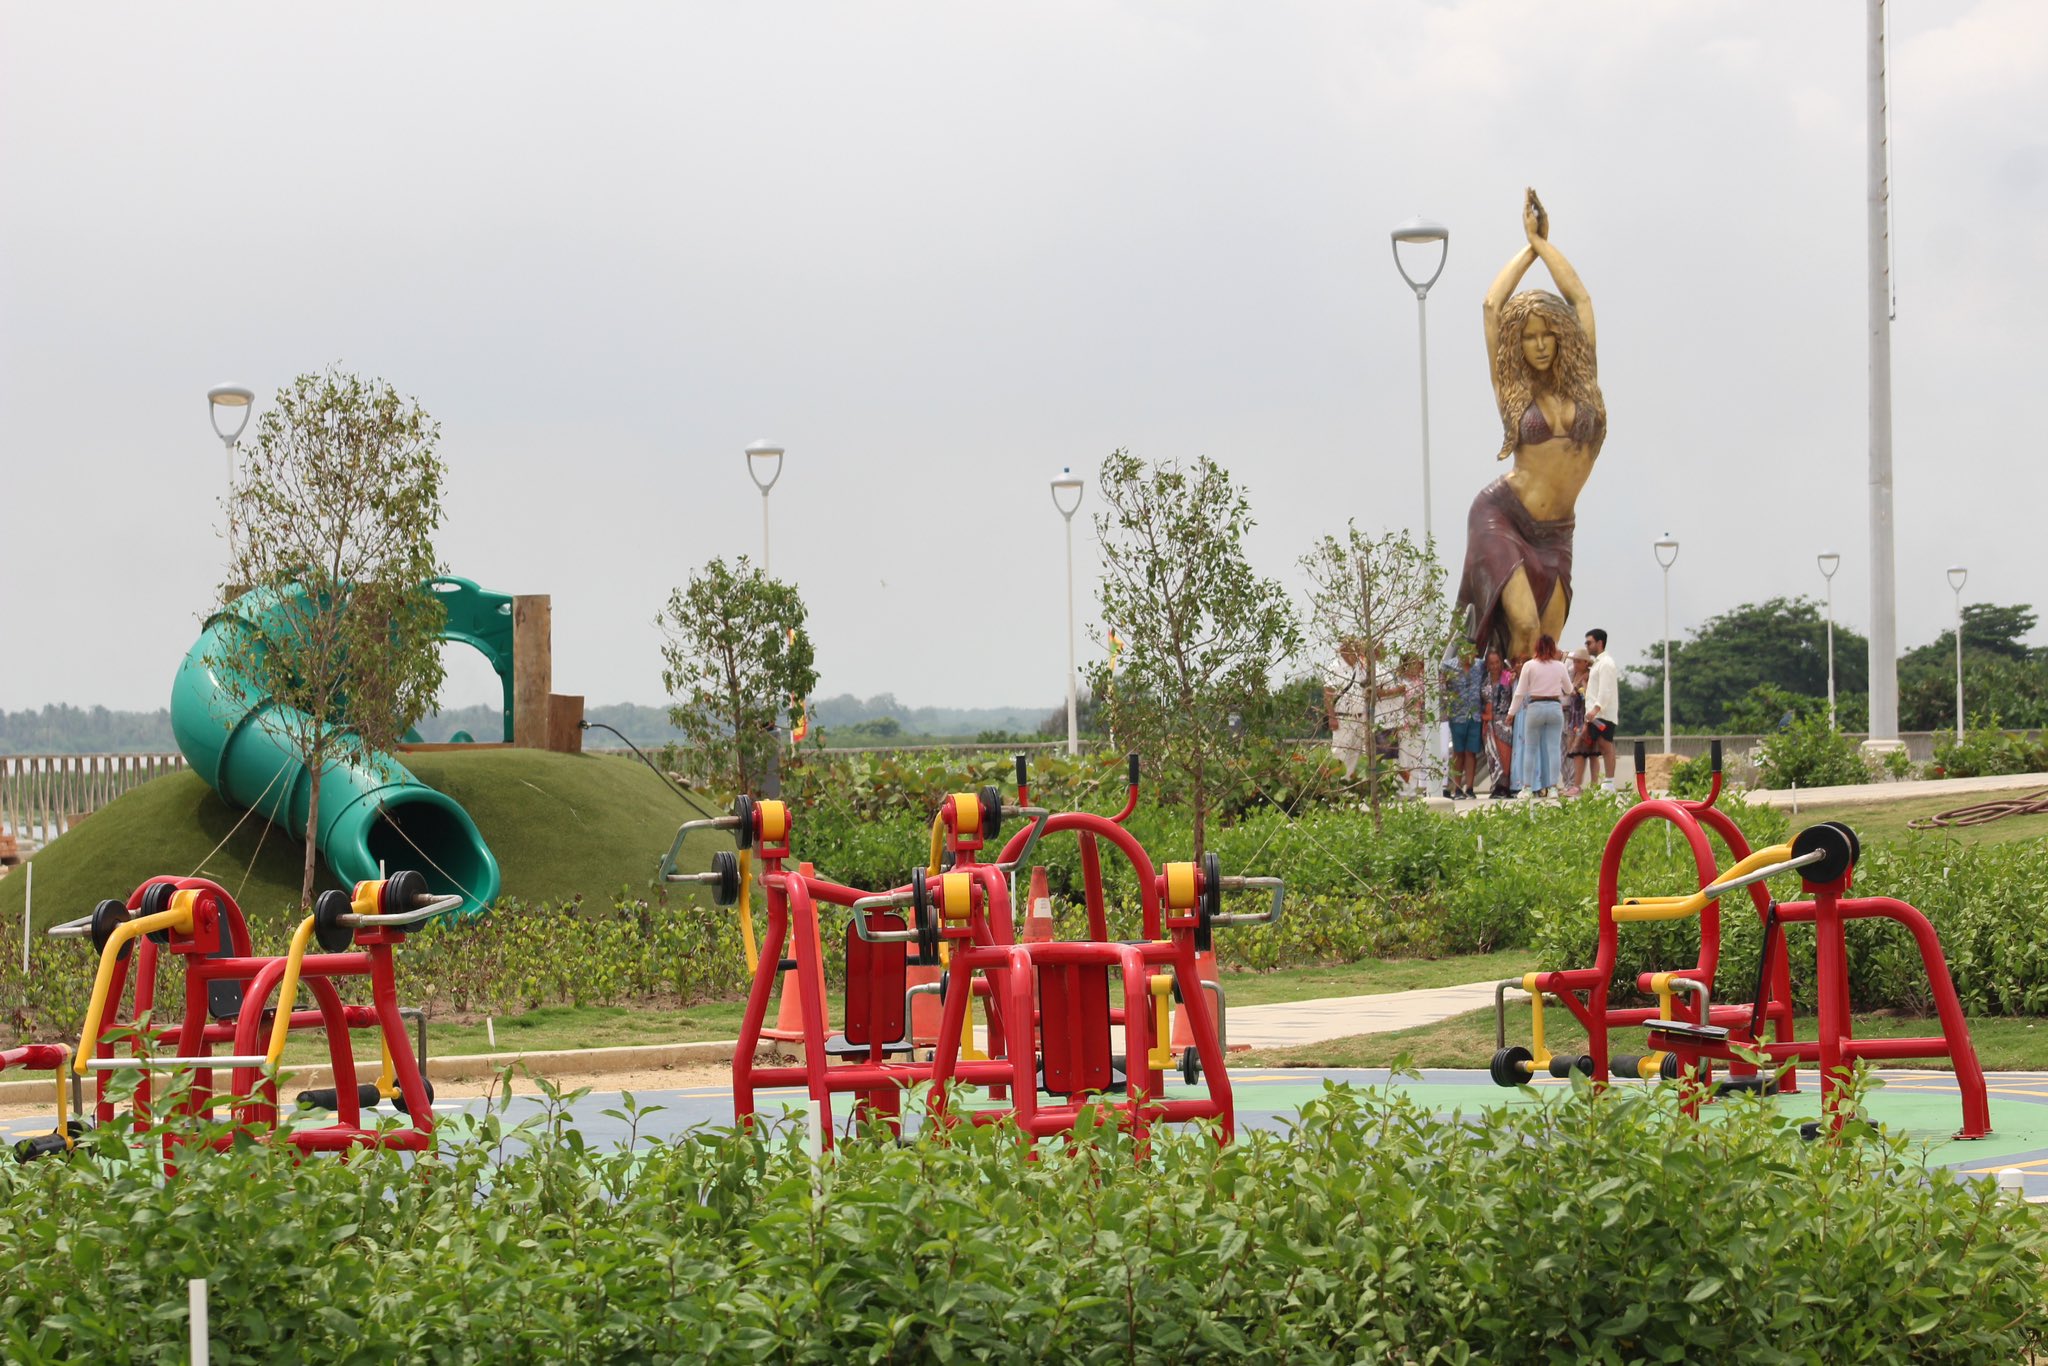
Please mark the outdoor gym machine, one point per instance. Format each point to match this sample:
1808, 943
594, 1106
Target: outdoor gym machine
1686, 1036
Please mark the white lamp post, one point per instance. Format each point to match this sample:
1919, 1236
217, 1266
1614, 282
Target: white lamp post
1421, 232
230, 403
1829, 562
1667, 555
764, 456
1068, 484
1956, 576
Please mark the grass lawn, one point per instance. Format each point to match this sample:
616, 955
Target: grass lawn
1879, 819
559, 824
2004, 1043
558, 1027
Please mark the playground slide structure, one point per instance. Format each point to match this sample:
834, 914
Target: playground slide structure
373, 813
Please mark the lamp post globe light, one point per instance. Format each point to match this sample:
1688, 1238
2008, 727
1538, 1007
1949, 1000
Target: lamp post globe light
1829, 562
1956, 577
1667, 555
230, 404
764, 467
1067, 489
1422, 233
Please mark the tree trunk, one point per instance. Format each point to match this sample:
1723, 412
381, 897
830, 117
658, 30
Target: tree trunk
312, 834
1201, 804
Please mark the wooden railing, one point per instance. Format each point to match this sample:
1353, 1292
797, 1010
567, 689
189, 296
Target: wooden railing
43, 795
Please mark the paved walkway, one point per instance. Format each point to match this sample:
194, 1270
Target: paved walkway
1287, 1023
1961, 788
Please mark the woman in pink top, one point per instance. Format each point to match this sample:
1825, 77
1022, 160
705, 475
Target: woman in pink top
1541, 688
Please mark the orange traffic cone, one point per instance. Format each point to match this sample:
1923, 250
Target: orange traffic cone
1205, 968
1038, 926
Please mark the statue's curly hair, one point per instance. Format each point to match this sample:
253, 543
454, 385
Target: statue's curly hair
1574, 374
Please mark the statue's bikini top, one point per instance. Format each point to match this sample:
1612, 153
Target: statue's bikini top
1536, 427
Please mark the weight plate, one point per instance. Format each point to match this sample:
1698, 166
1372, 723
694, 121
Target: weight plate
328, 908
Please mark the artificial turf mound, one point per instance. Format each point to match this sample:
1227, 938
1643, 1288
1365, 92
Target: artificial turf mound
560, 825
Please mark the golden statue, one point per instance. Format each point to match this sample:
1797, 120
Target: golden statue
1518, 549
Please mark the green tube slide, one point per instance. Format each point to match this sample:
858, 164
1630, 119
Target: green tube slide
371, 812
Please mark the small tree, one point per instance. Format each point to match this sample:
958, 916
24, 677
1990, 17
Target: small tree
738, 657
1384, 597
334, 515
1201, 630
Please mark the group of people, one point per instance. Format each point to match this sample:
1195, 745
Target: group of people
1541, 726
1545, 725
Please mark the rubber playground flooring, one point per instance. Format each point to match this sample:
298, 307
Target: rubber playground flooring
1924, 1105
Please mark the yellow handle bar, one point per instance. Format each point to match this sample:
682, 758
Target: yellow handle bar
1639, 908
288, 991
178, 917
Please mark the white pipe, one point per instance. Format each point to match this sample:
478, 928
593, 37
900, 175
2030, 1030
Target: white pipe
28, 905
196, 1298
1884, 631
1073, 701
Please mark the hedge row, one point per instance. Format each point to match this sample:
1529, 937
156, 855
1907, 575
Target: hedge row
1599, 1229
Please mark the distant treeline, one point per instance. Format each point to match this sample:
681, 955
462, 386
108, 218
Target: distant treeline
61, 729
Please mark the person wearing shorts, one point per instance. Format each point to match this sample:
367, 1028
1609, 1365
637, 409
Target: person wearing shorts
1603, 703
1468, 723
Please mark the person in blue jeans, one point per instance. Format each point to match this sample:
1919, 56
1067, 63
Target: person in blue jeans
1467, 713
1538, 706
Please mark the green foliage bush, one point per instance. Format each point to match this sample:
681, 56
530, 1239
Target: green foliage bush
1810, 753
1982, 753
1600, 1228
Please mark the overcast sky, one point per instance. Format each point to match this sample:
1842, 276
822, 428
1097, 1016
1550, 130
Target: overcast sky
939, 250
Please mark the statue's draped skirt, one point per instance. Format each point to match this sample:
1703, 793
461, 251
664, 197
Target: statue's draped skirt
1501, 537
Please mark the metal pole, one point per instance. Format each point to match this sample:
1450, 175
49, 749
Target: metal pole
1959, 666
1831, 653
764, 532
1884, 639
195, 1293
1073, 701
1422, 332
1667, 659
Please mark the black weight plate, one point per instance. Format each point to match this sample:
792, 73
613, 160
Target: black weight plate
743, 810
105, 917
726, 890
331, 934
927, 918
1210, 903
156, 899
1835, 844
1506, 1070
403, 891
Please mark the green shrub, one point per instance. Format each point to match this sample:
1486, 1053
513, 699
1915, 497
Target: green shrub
1600, 1228
1982, 753
1810, 753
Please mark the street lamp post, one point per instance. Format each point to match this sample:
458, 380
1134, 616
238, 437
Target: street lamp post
764, 455
1829, 562
1065, 483
231, 402
1667, 555
1419, 231
1956, 576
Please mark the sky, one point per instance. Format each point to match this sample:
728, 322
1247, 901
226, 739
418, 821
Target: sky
939, 251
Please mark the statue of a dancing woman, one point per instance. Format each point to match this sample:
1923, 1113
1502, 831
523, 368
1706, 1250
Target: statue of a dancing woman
1518, 550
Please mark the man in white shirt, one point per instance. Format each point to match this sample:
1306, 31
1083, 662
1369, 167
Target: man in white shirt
1603, 701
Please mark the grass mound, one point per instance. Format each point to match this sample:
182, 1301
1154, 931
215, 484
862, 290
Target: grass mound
560, 824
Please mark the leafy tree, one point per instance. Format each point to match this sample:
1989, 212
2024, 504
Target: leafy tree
1201, 630
1782, 642
334, 514
1988, 629
1384, 598
737, 655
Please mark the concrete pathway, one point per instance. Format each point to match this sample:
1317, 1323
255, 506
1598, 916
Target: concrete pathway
1963, 789
1287, 1023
